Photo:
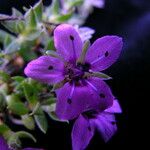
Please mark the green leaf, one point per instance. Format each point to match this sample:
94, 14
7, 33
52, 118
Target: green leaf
26, 51
30, 93
38, 9
75, 3
31, 35
7, 40
41, 120
55, 7
3, 36
15, 105
4, 89
16, 13
30, 19
50, 110
16, 23
18, 79
2, 102
17, 84
63, 18
35, 109
4, 76
50, 44
14, 46
54, 117
14, 139
28, 122
3, 128
11, 25
23, 134
49, 101
20, 26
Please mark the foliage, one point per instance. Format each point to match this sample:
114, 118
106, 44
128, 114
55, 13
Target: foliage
22, 100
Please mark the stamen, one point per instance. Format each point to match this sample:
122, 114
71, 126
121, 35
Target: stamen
98, 59
74, 53
92, 86
102, 95
69, 100
103, 56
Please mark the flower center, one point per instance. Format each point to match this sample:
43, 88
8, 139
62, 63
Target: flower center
76, 73
90, 114
84, 67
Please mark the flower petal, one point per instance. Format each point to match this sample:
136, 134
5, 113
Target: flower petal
32, 149
106, 97
115, 108
73, 100
3, 144
84, 32
104, 52
98, 3
67, 42
46, 69
82, 133
106, 125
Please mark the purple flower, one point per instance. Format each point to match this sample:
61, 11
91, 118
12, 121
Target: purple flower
84, 32
4, 145
95, 3
87, 6
88, 122
77, 70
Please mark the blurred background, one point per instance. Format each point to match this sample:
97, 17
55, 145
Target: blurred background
129, 19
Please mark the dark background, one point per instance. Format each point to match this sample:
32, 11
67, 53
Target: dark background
131, 20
